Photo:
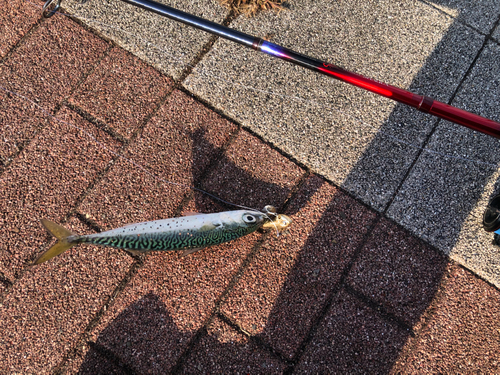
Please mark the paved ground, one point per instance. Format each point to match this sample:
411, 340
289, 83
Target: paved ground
386, 268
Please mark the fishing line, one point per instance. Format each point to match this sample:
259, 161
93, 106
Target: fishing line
319, 104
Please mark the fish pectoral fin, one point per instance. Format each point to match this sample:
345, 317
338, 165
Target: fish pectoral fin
207, 227
190, 251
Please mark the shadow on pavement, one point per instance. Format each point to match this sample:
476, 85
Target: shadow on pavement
332, 312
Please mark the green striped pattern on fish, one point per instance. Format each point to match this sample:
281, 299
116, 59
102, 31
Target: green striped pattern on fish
177, 234
183, 233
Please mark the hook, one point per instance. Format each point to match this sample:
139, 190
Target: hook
46, 12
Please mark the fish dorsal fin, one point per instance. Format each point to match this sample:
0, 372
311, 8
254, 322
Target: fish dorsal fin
190, 251
190, 213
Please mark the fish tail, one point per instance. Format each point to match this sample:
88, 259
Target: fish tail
64, 243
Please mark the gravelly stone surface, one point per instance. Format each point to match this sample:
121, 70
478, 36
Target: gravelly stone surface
168, 45
479, 14
398, 271
443, 199
176, 145
342, 132
496, 33
48, 65
44, 181
19, 122
225, 350
353, 338
163, 306
460, 333
121, 92
49, 308
287, 283
252, 174
16, 19
93, 363
397, 284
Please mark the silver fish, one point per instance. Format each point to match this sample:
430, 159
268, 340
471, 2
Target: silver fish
188, 233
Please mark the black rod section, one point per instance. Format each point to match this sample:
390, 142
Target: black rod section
420, 102
198, 22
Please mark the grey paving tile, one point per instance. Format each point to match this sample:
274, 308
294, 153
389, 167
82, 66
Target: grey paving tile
342, 132
479, 14
168, 45
496, 33
444, 198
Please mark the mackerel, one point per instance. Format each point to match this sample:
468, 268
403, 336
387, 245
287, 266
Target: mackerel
188, 233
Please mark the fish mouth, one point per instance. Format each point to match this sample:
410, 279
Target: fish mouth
281, 222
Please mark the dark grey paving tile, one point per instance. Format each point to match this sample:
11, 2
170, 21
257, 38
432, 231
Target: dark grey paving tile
443, 198
479, 14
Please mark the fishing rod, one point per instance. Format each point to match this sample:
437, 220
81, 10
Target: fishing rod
422, 103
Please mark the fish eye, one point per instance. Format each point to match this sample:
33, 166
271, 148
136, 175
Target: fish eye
250, 219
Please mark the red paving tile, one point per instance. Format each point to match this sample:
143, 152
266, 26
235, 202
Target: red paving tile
17, 18
48, 309
398, 271
49, 64
91, 361
19, 121
44, 181
225, 351
286, 285
176, 145
352, 339
461, 330
252, 174
122, 91
164, 305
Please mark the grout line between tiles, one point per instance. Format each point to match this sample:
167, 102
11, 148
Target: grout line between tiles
222, 297
333, 293
23, 39
84, 337
430, 4
255, 339
436, 125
